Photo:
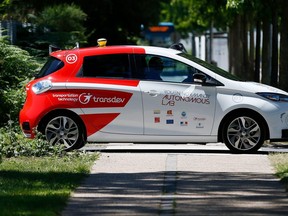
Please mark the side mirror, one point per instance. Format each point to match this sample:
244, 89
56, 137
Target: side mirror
199, 78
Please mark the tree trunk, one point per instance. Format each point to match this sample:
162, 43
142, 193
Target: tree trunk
266, 52
284, 47
274, 60
245, 68
236, 48
251, 50
257, 52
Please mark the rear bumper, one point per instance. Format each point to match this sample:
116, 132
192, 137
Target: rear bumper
27, 131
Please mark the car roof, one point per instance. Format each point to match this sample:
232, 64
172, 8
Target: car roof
89, 51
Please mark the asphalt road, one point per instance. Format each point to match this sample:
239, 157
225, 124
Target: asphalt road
131, 179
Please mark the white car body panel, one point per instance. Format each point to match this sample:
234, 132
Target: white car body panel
201, 121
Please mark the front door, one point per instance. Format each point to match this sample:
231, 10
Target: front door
177, 109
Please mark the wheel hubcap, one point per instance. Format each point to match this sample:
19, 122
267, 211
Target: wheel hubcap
244, 133
62, 130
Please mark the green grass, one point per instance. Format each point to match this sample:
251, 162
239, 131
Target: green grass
40, 186
280, 163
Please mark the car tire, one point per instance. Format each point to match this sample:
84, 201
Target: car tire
64, 130
243, 133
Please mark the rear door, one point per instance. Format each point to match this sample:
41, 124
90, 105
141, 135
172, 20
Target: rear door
109, 99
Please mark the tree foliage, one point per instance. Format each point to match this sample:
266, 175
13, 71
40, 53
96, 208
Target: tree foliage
15, 10
268, 16
118, 21
63, 17
16, 66
195, 15
248, 58
62, 25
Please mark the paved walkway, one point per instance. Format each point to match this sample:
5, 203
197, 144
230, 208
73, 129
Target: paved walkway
179, 184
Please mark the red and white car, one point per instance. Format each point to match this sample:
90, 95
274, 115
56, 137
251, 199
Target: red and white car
110, 94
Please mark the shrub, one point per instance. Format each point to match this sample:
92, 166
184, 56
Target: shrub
15, 65
16, 69
14, 144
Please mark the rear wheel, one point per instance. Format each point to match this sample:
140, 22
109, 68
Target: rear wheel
243, 133
64, 130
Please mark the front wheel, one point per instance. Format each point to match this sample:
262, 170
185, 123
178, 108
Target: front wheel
243, 133
64, 130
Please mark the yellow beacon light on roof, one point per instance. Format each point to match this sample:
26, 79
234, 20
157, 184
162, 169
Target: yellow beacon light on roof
101, 42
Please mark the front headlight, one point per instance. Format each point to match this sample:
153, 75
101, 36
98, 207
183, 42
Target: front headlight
41, 86
274, 96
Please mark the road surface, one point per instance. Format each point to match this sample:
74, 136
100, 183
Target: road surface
208, 180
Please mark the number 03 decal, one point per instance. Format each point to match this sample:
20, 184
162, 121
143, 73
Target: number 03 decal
71, 58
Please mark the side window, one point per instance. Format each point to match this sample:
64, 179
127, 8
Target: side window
111, 66
152, 67
159, 68
175, 71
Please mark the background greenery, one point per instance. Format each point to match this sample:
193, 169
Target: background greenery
280, 164
257, 29
16, 69
36, 178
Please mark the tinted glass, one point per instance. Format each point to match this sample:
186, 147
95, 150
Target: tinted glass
52, 65
116, 66
211, 67
162, 68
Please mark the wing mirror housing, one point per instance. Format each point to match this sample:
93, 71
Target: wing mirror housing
199, 78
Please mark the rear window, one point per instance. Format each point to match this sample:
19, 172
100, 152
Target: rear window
52, 65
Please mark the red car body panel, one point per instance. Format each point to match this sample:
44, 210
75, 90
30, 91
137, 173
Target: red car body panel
66, 97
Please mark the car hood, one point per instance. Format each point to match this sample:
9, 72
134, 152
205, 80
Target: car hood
259, 87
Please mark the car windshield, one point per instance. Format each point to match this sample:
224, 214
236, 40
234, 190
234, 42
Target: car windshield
52, 65
211, 67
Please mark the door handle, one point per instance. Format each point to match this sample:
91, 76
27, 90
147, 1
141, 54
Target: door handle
152, 93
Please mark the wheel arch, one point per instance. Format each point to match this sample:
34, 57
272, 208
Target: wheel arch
58, 112
241, 110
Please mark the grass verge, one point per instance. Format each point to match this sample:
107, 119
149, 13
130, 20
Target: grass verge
40, 185
280, 163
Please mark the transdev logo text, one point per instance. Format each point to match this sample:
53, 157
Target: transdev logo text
85, 98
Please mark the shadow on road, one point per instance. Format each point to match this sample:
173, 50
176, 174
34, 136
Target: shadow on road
196, 193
